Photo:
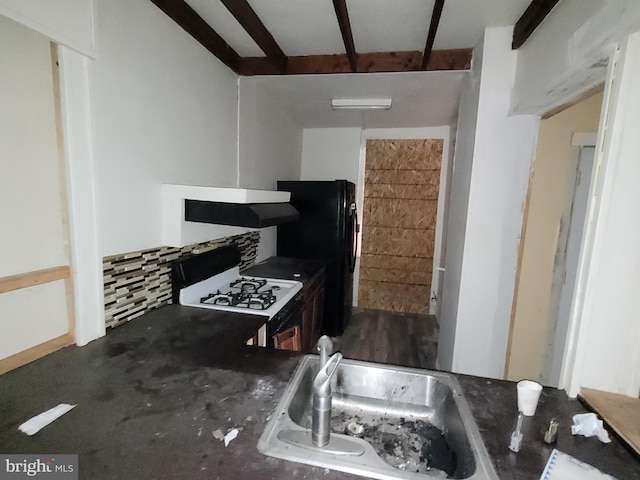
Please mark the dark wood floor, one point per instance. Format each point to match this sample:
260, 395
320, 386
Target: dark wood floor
408, 340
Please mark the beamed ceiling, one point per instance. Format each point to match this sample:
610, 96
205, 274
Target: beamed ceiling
289, 37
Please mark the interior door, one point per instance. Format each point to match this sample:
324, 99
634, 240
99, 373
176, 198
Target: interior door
36, 296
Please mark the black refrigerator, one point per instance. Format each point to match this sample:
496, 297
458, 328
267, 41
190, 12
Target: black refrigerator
327, 230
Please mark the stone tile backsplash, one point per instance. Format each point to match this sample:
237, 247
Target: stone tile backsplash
137, 282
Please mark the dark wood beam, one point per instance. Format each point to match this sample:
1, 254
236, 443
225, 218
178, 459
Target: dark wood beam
340, 7
250, 21
458, 59
532, 17
188, 18
431, 36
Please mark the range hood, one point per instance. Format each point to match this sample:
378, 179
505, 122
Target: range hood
220, 206
253, 215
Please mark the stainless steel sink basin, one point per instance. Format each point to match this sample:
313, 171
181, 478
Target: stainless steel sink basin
398, 423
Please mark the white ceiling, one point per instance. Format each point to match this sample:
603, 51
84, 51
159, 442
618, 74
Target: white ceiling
419, 99
310, 27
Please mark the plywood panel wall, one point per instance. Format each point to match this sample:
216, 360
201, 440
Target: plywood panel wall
398, 227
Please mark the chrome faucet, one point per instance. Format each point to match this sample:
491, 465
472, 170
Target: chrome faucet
325, 348
321, 417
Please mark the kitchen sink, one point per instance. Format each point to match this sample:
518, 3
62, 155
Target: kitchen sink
387, 422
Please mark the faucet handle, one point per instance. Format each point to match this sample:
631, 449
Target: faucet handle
321, 384
324, 343
324, 347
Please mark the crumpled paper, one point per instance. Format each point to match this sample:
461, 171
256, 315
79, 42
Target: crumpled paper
589, 425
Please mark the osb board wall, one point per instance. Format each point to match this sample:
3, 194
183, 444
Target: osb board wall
137, 282
398, 227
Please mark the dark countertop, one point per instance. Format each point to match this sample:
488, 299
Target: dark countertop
151, 393
287, 268
494, 406
149, 396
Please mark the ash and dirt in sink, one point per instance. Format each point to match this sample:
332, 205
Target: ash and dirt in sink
415, 446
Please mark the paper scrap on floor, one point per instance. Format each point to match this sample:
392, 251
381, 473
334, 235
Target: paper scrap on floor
561, 466
35, 424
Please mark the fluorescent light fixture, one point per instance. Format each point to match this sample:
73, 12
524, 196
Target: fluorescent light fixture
361, 103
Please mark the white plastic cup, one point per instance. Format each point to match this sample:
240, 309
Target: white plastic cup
528, 396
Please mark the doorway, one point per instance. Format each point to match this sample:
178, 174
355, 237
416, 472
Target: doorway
401, 186
546, 268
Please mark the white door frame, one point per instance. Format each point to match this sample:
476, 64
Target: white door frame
75, 99
603, 333
568, 248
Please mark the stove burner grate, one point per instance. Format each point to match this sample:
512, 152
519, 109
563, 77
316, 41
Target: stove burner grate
243, 299
248, 284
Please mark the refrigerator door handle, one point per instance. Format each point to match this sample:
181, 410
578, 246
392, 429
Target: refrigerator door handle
355, 228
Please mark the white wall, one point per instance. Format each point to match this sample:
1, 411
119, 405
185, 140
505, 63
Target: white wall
32, 210
67, 22
458, 207
269, 146
154, 107
568, 52
331, 154
440, 261
270, 142
165, 111
502, 153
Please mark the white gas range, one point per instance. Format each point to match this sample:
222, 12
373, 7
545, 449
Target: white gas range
208, 281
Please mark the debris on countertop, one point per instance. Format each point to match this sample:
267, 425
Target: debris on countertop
589, 425
229, 437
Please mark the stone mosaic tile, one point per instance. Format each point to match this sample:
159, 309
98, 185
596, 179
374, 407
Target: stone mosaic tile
136, 282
